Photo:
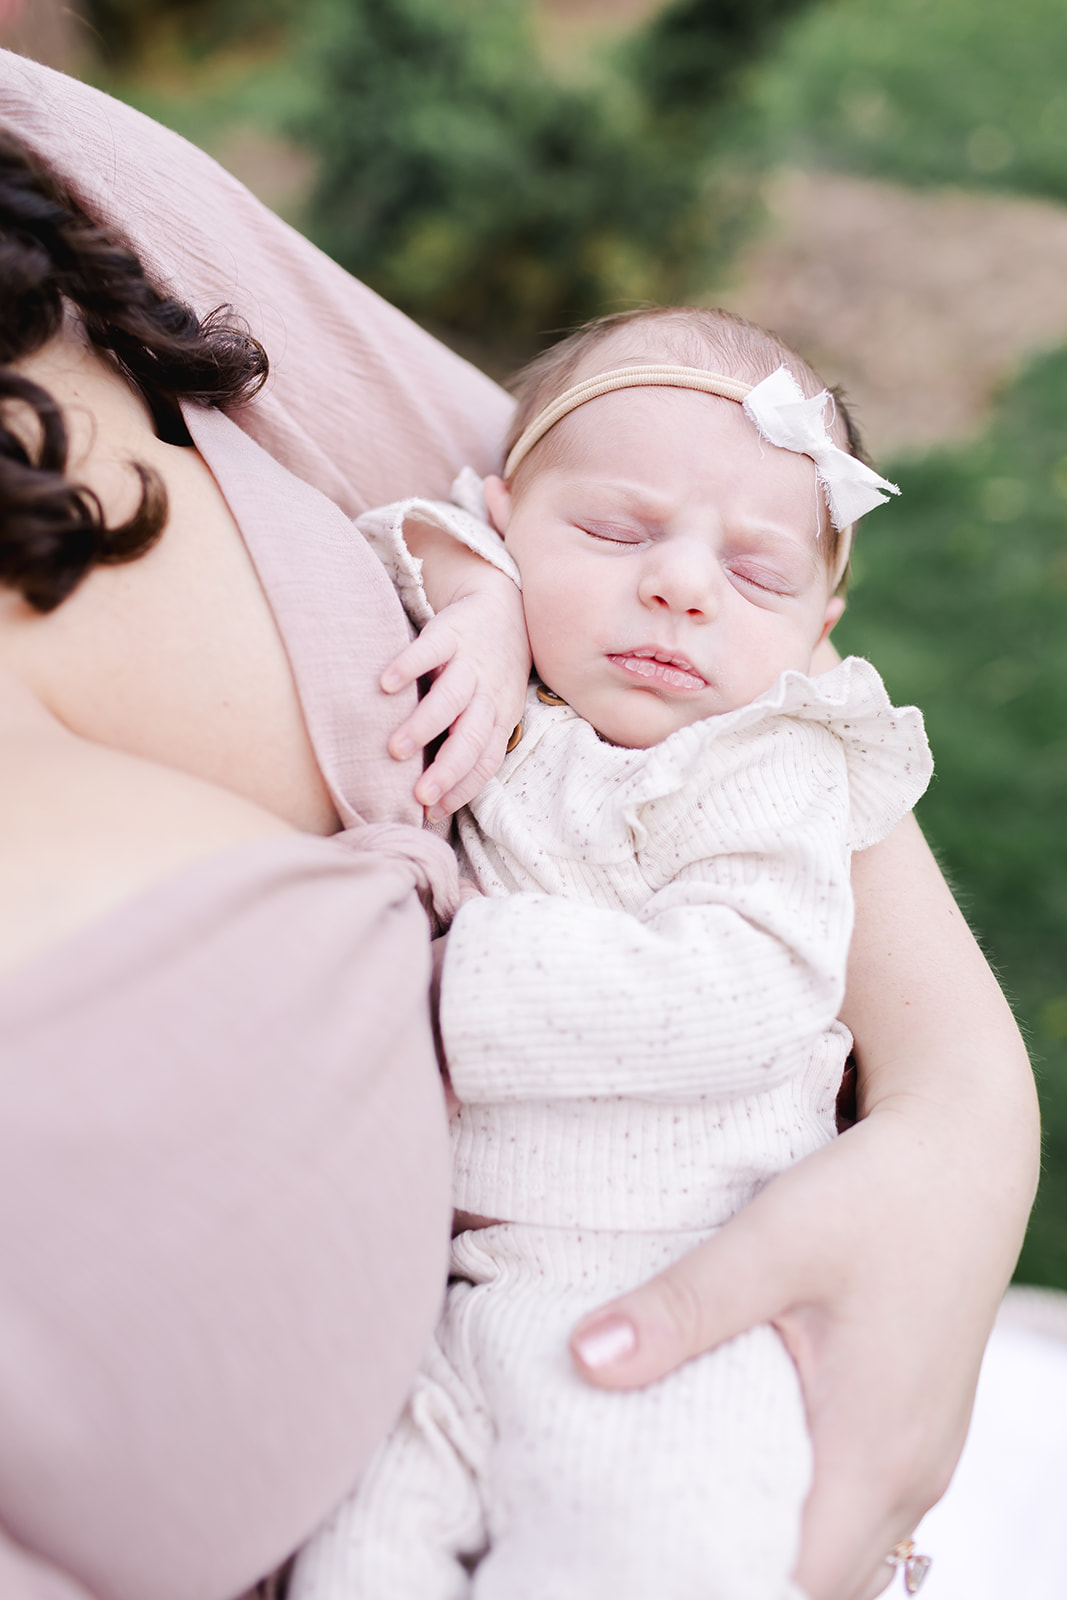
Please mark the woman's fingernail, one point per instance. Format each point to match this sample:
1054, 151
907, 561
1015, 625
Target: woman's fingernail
606, 1342
437, 813
402, 747
429, 793
389, 682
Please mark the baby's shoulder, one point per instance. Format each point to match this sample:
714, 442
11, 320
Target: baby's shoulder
808, 751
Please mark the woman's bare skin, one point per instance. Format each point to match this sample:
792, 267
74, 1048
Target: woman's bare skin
174, 657
152, 718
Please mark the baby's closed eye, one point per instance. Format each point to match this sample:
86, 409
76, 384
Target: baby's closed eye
756, 575
613, 532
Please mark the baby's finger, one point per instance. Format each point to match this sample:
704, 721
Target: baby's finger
447, 699
475, 780
434, 647
457, 758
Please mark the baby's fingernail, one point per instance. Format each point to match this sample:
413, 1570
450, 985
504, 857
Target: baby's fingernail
606, 1342
402, 748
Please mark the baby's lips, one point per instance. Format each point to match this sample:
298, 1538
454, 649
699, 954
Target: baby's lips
674, 672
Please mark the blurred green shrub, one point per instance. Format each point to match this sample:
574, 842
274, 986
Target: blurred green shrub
125, 29
961, 601
926, 91
687, 61
490, 200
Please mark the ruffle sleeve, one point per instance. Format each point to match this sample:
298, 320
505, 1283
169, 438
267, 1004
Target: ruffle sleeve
887, 756
730, 782
464, 519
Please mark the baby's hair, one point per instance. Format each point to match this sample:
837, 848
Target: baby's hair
692, 336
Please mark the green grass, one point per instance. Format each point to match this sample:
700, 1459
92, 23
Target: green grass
961, 601
971, 92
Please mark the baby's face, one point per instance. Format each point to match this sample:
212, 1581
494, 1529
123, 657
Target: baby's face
669, 560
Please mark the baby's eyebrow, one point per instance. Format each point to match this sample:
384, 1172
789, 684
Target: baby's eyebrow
628, 495
778, 546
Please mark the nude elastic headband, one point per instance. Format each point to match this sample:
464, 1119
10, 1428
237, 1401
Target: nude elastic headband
778, 409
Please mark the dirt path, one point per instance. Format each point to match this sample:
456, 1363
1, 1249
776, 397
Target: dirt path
920, 303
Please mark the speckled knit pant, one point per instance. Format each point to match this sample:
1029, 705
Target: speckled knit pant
691, 1489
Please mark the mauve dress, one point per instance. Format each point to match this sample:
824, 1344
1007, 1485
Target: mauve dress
223, 1156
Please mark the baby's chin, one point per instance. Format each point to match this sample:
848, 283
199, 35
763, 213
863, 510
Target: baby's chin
652, 724
650, 719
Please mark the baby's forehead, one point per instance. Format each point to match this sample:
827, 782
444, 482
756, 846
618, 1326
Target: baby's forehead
722, 352
610, 450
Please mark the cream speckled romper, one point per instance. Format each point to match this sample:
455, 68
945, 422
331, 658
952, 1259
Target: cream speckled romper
640, 1021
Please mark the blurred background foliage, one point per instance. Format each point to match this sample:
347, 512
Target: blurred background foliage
960, 599
474, 188
458, 171
925, 91
500, 173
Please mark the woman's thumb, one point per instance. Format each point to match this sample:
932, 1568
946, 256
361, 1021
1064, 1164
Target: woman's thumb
713, 1293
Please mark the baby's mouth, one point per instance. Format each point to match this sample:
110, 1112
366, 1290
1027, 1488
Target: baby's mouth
660, 667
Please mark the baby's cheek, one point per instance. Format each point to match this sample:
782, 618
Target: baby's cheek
552, 625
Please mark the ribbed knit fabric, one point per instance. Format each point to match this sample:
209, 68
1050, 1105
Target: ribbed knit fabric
620, 1162
640, 1022
639, 1018
690, 1490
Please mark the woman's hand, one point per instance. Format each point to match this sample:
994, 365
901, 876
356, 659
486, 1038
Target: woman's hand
477, 652
843, 1258
881, 1259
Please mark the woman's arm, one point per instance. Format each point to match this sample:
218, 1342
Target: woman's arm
215, 1054
882, 1258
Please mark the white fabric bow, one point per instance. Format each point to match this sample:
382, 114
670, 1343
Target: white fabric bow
784, 417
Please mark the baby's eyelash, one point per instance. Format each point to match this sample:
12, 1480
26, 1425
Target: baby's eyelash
761, 578
612, 535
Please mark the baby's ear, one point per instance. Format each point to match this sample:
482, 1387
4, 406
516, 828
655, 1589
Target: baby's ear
834, 608
498, 502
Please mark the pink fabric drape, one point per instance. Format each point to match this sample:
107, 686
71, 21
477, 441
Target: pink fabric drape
223, 1163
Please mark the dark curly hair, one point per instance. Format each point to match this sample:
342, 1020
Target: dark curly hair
53, 254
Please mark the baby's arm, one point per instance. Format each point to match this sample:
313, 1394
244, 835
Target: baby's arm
460, 588
545, 997
478, 653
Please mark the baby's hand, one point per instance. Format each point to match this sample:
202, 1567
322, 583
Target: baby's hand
477, 651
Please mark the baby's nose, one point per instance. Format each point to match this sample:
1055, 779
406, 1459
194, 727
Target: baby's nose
681, 580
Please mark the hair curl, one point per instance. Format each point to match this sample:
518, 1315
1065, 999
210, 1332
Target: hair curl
52, 254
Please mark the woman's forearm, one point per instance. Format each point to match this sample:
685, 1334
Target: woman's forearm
934, 1034
881, 1259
